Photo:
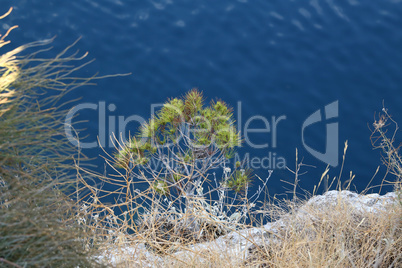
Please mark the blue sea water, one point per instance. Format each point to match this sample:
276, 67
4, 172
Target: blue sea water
276, 57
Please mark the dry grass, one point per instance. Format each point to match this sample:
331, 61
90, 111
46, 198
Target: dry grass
144, 229
38, 226
141, 216
336, 235
330, 236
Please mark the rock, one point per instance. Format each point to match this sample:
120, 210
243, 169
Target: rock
244, 243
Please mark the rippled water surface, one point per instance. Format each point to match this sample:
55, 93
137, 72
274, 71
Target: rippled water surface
277, 58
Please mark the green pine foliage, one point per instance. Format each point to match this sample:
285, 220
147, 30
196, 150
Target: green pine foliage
192, 131
206, 125
240, 180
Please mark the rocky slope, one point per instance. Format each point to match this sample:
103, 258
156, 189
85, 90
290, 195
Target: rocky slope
243, 246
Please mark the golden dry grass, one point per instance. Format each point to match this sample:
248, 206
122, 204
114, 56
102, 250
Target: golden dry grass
332, 236
38, 220
337, 233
